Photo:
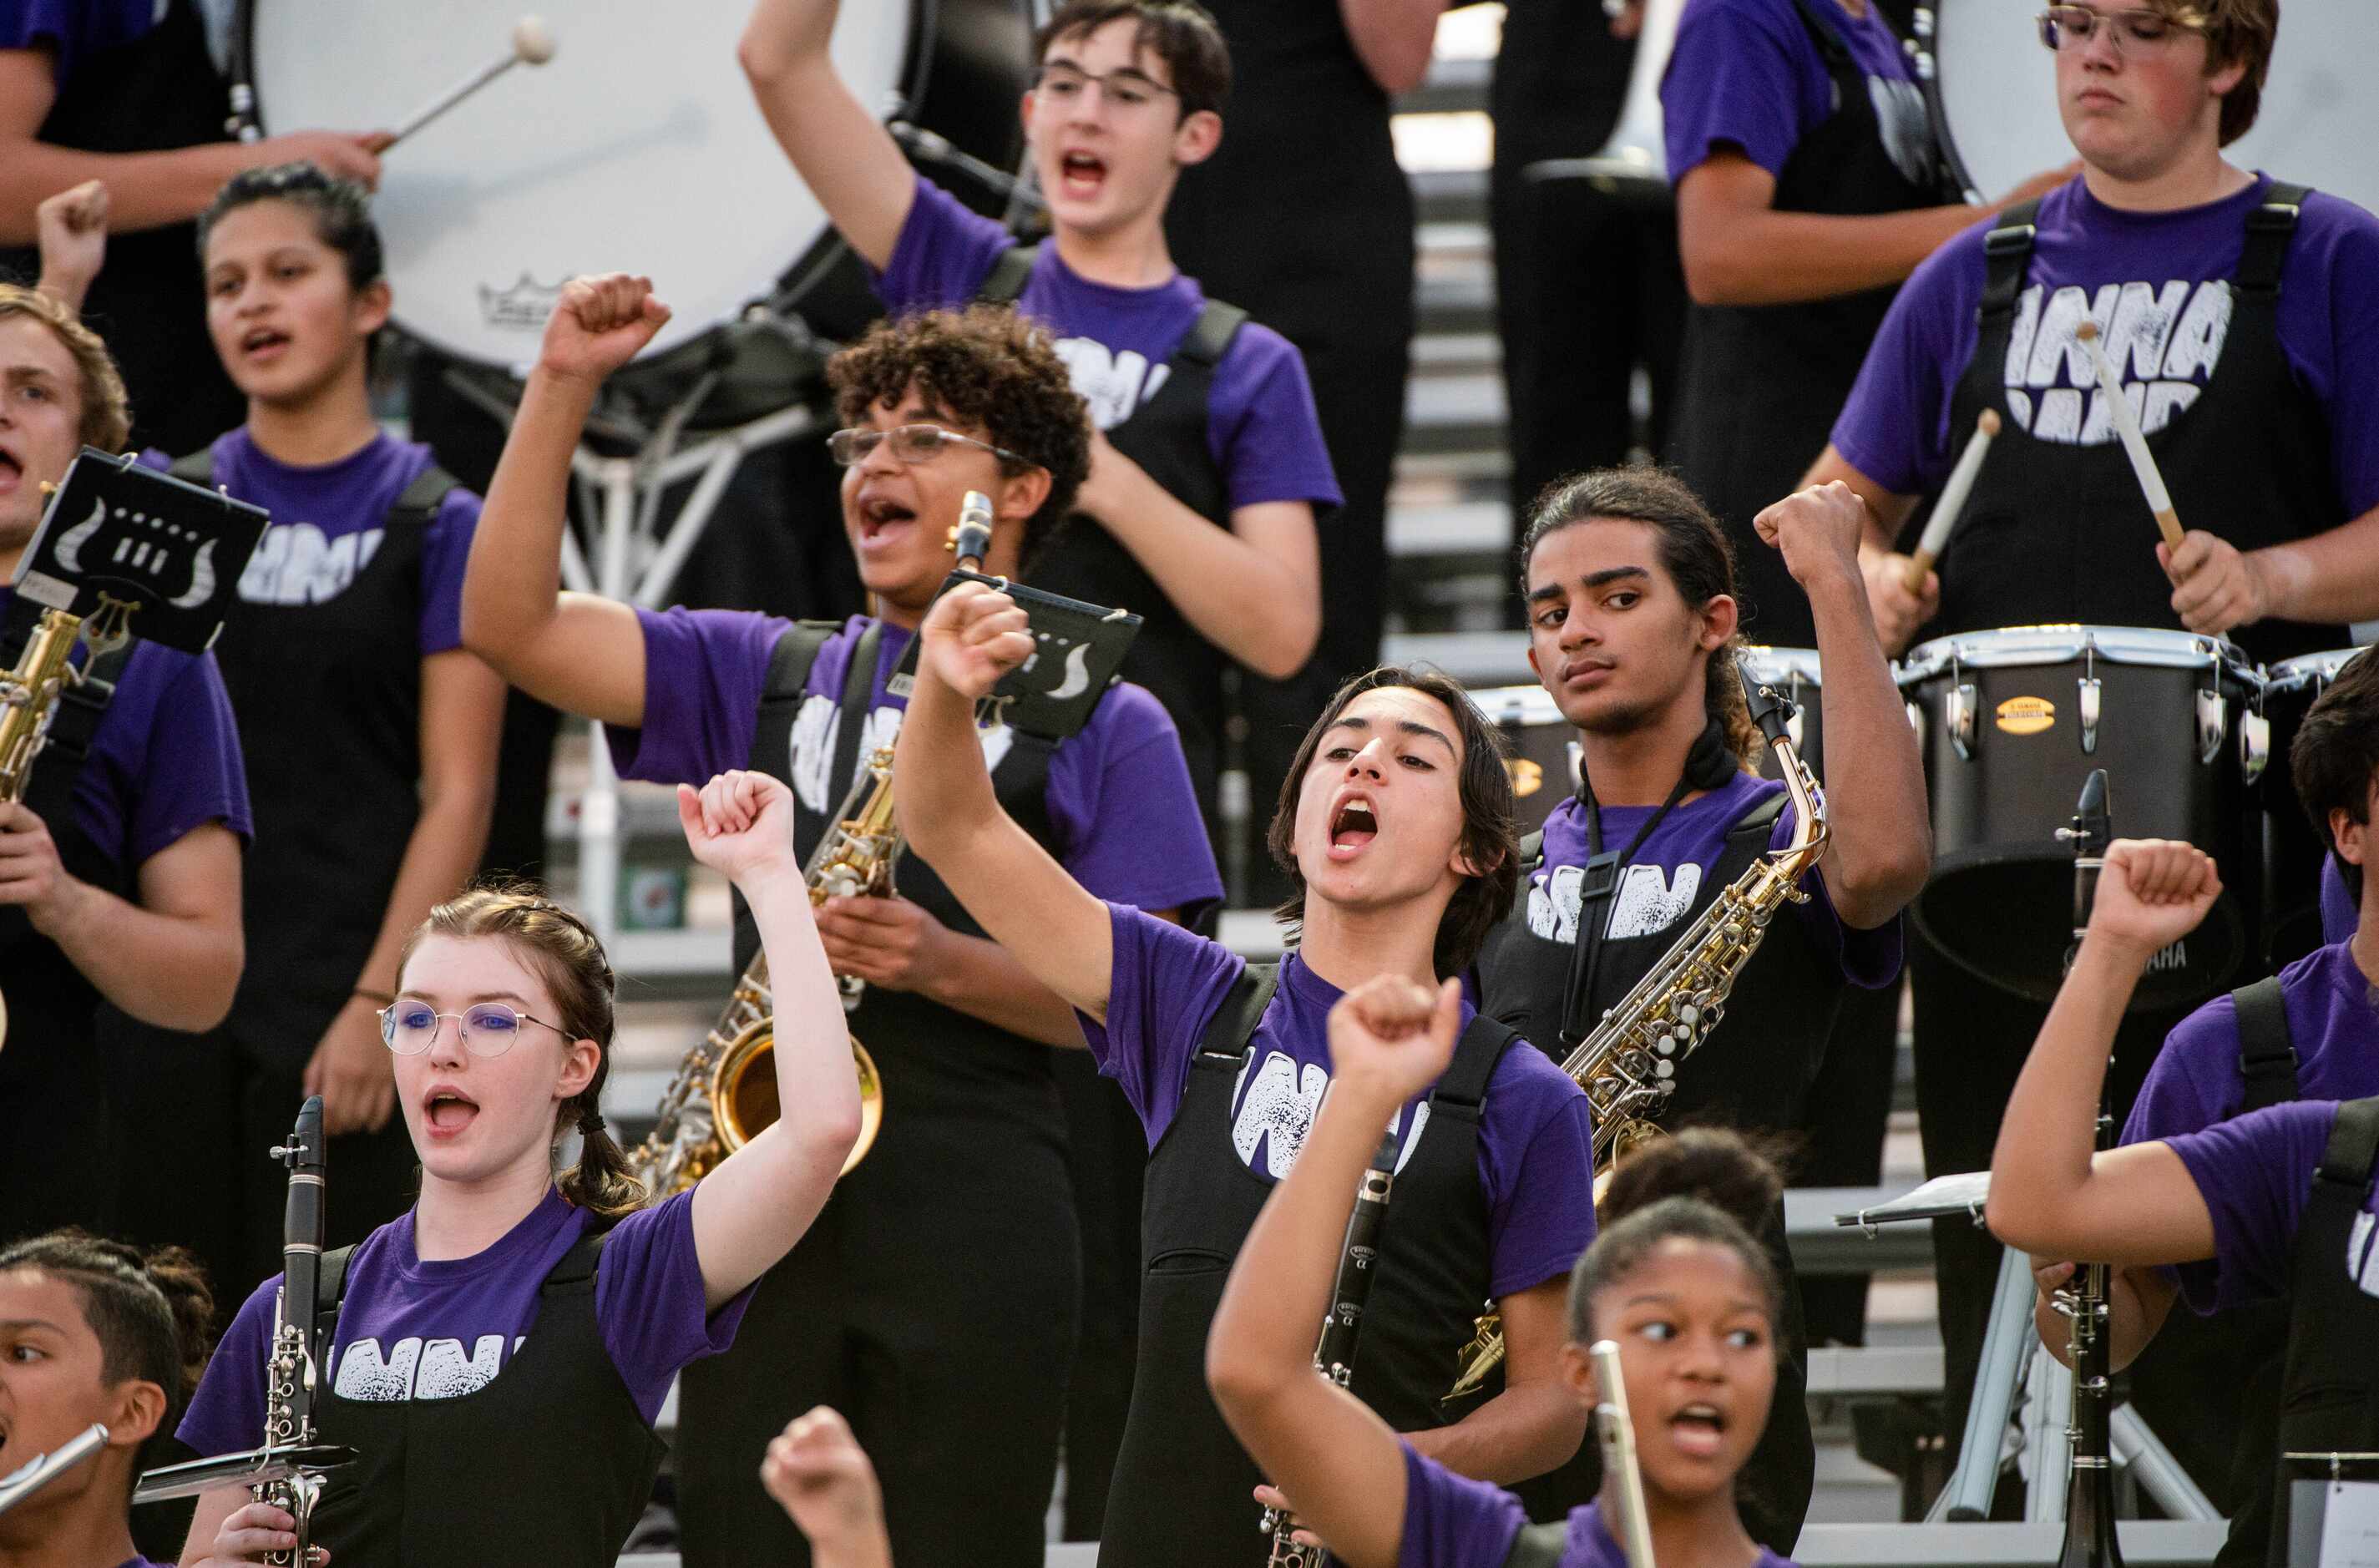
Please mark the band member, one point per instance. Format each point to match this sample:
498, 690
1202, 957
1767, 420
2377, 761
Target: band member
2240, 315
346, 651
2305, 1035
92, 1331
67, 74
119, 868
935, 1304
1676, 1278
1630, 587
502, 1030
1397, 827
822, 1478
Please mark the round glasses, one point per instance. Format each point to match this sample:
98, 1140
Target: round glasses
488, 1029
910, 443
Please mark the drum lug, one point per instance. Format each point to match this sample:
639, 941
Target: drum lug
2254, 745
2086, 700
2213, 723
1959, 715
1917, 722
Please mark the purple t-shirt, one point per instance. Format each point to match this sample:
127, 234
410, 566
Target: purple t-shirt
2339, 914
166, 760
1666, 875
437, 1329
1453, 1522
1261, 429
1126, 820
74, 28
2256, 1175
328, 520
1747, 73
2195, 1082
2157, 285
1536, 1147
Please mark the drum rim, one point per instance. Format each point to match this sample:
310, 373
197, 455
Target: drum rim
2322, 666
2061, 642
1767, 661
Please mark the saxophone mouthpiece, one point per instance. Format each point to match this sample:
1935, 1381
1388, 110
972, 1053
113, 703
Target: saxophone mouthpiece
971, 540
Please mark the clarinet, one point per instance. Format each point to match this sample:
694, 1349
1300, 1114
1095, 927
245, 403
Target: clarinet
1334, 1353
291, 1366
2090, 1490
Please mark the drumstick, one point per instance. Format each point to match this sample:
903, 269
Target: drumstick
532, 42
2126, 425
1953, 501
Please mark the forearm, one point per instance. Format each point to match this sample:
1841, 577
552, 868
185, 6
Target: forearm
1521, 1433
511, 589
68, 287
2041, 1165
1264, 614
782, 34
145, 190
984, 980
1760, 256
1393, 38
941, 788
1881, 841
2132, 1320
1886, 510
176, 971
2329, 577
815, 1085
873, 1551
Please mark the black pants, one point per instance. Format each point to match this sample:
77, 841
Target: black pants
933, 1304
1842, 1131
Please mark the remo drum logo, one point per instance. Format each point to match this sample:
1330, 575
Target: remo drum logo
525, 307
2026, 716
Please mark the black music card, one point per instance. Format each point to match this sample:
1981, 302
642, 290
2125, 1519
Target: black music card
1052, 692
169, 550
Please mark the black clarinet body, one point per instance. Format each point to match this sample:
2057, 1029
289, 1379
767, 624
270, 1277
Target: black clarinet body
293, 1362
1342, 1327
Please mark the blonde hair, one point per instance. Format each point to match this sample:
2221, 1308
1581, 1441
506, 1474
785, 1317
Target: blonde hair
570, 958
106, 407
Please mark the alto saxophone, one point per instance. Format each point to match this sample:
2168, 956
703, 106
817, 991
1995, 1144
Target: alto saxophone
1628, 1065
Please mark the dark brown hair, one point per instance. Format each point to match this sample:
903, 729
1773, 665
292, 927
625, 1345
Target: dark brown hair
987, 367
151, 1310
2336, 752
1179, 32
341, 210
107, 410
1694, 553
570, 958
1491, 828
2237, 32
1704, 1184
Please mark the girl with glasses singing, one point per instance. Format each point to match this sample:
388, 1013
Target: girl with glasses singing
503, 1349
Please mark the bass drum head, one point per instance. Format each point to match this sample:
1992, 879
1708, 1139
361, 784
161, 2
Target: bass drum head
637, 148
2318, 121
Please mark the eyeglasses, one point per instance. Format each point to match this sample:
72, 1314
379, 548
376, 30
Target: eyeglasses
488, 1029
910, 443
2073, 27
1125, 89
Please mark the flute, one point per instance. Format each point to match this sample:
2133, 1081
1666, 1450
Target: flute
43, 1468
1615, 1429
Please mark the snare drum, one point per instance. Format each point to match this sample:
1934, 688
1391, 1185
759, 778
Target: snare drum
639, 146
1994, 93
2293, 849
2010, 723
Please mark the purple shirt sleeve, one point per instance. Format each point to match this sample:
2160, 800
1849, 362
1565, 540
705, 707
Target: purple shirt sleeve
1536, 1159
704, 673
227, 1416
650, 1305
72, 29
1165, 984
1894, 428
1123, 788
445, 551
2256, 1174
943, 255
1261, 425
1452, 1521
1742, 74
190, 772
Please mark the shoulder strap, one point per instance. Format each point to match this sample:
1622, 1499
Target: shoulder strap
578, 1265
796, 651
1762, 818
858, 687
2353, 1145
330, 1286
418, 503
1233, 1023
1210, 337
1532, 851
1008, 275
1539, 1546
2007, 255
1824, 33
2267, 1057
2269, 228
1476, 1056
195, 468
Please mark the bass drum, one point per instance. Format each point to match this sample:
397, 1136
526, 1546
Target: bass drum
638, 148
2293, 852
1994, 91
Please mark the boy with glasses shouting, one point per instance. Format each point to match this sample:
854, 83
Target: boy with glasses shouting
935, 1304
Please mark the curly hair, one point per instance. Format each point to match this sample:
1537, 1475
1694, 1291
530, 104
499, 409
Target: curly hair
985, 366
151, 1310
107, 410
1703, 1184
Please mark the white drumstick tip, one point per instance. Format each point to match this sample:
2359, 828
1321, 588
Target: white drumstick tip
532, 41
1989, 423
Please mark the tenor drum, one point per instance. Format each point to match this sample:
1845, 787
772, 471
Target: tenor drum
1793, 674
638, 148
2010, 723
1993, 94
2293, 849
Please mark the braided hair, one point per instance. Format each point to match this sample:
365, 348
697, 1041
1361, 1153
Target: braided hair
150, 1309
